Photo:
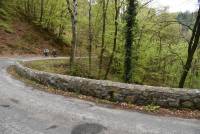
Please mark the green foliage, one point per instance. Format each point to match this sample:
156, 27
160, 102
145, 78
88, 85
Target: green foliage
6, 27
159, 42
61, 66
5, 17
151, 108
3, 14
78, 70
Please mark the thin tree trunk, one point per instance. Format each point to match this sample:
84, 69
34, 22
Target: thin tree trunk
74, 31
115, 39
32, 9
193, 44
61, 26
41, 10
90, 36
28, 9
186, 68
104, 10
73, 12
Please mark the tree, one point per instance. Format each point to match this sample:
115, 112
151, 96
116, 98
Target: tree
130, 24
90, 35
117, 8
73, 13
104, 13
192, 46
41, 10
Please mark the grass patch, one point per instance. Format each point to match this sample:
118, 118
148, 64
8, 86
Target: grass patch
62, 66
4, 14
6, 27
5, 17
152, 108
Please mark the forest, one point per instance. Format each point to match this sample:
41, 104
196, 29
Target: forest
124, 40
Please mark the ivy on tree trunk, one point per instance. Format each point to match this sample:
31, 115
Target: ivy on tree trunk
129, 34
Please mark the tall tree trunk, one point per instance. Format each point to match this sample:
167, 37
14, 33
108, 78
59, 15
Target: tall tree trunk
104, 13
28, 9
73, 12
130, 24
90, 36
32, 9
115, 39
41, 10
193, 44
74, 31
61, 26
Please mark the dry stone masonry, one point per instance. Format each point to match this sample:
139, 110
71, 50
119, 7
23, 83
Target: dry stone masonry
114, 91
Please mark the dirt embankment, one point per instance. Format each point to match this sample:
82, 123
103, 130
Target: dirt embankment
26, 39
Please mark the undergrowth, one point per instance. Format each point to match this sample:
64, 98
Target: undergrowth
62, 66
5, 15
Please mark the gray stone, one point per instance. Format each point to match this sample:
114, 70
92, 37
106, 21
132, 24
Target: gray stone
131, 99
185, 97
197, 103
163, 103
187, 104
174, 103
146, 94
197, 100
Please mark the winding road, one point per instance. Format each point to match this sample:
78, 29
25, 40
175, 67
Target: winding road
26, 110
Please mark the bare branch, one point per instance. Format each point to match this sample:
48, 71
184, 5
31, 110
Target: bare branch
146, 3
189, 27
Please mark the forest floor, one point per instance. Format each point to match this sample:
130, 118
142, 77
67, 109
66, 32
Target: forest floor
23, 38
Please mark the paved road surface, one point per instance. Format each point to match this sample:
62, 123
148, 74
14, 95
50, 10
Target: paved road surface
26, 110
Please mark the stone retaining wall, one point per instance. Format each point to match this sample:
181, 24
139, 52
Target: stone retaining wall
114, 91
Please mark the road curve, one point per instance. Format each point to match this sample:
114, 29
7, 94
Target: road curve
26, 110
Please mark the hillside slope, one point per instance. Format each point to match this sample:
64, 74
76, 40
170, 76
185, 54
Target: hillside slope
26, 39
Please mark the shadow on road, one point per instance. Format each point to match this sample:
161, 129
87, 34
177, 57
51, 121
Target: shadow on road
88, 128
